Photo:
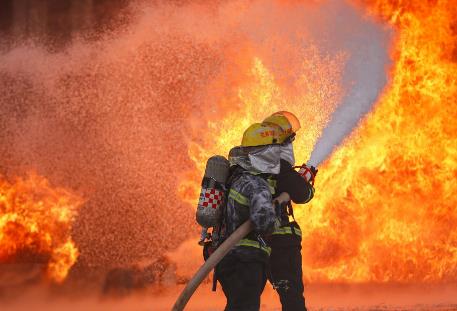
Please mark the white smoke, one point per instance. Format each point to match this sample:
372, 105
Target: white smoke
364, 77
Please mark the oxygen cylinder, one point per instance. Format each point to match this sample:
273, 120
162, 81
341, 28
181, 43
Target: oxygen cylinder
212, 195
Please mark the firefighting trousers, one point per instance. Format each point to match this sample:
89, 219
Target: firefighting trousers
242, 282
285, 274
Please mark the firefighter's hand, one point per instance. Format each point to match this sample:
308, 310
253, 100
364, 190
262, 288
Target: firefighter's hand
282, 198
308, 173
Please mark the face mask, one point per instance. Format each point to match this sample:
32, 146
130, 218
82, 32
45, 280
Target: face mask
264, 160
287, 153
267, 160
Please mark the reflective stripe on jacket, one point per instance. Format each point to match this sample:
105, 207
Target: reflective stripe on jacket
287, 230
250, 197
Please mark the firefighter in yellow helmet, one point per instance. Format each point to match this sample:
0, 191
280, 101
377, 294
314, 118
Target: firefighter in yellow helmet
285, 265
242, 272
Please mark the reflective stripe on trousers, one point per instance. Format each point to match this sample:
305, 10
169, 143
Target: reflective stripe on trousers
255, 244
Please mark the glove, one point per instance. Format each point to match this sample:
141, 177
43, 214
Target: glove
308, 173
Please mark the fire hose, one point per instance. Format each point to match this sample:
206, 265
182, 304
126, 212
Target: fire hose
216, 257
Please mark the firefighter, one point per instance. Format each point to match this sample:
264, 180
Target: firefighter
285, 265
242, 272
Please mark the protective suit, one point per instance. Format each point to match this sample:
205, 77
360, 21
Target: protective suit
242, 272
285, 264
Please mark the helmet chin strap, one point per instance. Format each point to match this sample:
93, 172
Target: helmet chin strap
287, 153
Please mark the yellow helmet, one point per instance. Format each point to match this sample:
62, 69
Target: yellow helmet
259, 135
286, 121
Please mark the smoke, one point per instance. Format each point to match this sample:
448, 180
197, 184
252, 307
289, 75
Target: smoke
108, 119
112, 118
364, 77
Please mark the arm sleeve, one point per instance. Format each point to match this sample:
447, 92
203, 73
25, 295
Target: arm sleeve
297, 187
262, 212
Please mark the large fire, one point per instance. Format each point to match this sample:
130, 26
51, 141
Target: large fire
385, 206
317, 90
121, 115
386, 209
35, 225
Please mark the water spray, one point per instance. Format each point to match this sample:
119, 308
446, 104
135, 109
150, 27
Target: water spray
365, 76
368, 71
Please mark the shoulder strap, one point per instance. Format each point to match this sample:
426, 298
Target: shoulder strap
290, 210
235, 172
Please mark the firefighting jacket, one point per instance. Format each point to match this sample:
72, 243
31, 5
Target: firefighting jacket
250, 197
300, 191
288, 180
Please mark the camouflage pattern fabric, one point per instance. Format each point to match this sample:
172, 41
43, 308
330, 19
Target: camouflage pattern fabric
250, 198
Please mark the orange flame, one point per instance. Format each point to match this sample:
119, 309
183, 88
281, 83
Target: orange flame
259, 94
35, 224
385, 206
385, 209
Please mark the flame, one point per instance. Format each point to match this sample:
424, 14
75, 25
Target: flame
259, 94
385, 207
35, 224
